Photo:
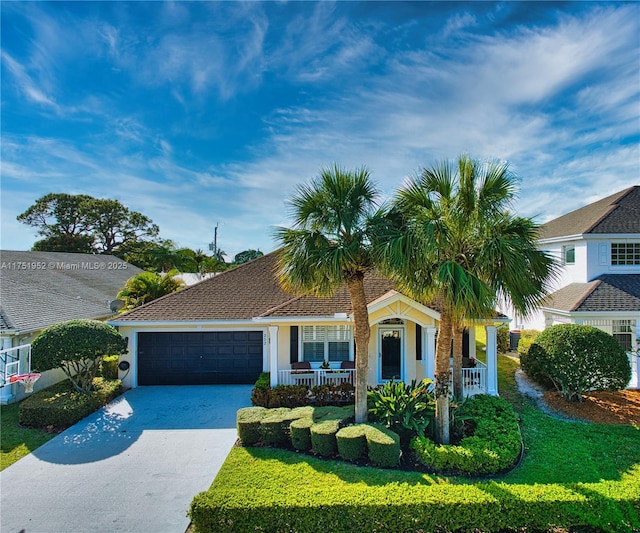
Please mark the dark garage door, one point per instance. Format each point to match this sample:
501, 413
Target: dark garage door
199, 358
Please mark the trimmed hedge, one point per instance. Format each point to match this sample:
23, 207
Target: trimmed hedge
333, 394
352, 442
248, 424
261, 390
577, 359
323, 437
494, 446
383, 446
263, 395
300, 431
378, 443
274, 426
61, 406
316, 499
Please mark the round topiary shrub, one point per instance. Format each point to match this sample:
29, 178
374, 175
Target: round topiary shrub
577, 359
77, 347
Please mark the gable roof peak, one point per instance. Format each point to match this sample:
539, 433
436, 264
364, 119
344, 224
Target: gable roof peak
617, 213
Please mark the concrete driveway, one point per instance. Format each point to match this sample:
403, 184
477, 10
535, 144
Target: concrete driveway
133, 466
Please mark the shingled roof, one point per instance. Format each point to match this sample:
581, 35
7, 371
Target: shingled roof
248, 291
39, 289
609, 292
618, 213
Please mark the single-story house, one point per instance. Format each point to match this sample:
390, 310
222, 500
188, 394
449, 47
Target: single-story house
39, 289
232, 327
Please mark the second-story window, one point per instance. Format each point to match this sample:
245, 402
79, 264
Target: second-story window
569, 254
625, 253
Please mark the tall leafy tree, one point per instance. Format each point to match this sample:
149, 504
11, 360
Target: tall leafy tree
148, 286
330, 245
114, 225
81, 223
60, 219
246, 255
455, 241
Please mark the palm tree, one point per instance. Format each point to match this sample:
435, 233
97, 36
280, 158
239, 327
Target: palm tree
456, 241
148, 286
329, 246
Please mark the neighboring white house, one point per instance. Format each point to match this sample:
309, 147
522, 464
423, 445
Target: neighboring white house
598, 248
39, 289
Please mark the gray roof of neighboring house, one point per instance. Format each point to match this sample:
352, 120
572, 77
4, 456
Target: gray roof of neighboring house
618, 213
39, 289
609, 292
248, 291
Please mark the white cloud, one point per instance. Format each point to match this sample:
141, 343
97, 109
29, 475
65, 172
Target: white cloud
26, 84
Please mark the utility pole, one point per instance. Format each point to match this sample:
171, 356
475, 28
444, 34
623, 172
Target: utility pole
213, 246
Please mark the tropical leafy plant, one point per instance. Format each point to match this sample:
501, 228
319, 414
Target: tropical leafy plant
148, 286
406, 409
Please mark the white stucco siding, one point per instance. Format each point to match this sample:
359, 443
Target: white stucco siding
599, 256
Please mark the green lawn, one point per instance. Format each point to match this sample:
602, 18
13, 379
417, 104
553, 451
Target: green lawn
17, 441
571, 474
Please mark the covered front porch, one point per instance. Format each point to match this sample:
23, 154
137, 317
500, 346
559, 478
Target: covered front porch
474, 378
402, 347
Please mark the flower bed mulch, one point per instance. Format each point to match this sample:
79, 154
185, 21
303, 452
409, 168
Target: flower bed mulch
621, 407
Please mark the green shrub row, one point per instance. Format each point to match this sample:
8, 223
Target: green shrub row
299, 395
61, 406
420, 507
493, 445
320, 430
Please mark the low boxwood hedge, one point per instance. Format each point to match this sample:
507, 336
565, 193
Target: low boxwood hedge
60, 406
300, 431
383, 446
373, 441
352, 443
494, 446
323, 437
321, 496
248, 424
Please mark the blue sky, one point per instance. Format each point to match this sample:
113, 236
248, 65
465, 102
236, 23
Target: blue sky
198, 113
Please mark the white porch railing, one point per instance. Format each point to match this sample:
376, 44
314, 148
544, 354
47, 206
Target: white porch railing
474, 380
317, 376
14, 361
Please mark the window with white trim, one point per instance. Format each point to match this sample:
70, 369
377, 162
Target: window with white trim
625, 253
622, 331
326, 343
569, 254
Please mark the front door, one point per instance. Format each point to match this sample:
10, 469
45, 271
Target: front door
390, 353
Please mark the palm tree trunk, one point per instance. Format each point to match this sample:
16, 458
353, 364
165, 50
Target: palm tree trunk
458, 335
443, 373
362, 333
